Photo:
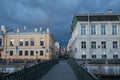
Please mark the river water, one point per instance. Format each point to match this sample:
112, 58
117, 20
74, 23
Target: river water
9, 70
103, 69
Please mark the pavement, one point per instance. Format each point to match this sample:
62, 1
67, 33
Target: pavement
61, 71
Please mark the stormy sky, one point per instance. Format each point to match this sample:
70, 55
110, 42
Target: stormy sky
54, 14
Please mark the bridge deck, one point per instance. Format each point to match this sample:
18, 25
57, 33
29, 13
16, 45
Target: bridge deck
61, 71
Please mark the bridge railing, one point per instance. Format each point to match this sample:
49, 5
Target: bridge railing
99, 61
80, 72
31, 73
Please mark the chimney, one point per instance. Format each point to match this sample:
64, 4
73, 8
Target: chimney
109, 11
18, 30
40, 29
3, 28
47, 30
24, 27
35, 30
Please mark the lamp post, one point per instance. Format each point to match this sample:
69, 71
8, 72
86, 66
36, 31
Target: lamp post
5, 34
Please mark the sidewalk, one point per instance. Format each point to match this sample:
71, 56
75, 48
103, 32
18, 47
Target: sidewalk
61, 71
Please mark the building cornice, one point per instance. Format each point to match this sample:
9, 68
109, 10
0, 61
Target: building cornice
89, 17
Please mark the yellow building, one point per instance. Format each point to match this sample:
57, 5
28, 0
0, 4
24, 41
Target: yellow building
1, 43
28, 45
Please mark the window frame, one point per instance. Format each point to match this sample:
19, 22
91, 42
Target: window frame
20, 54
114, 30
83, 45
32, 42
93, 30
41, 54
115, 56
21, 42
26, 52
94, 56
103, 45
83, 56
32, 53
83, 30
26, 42
93, 44
11, 42
41, 42
11, 53
115, 44
104, 56
103, 30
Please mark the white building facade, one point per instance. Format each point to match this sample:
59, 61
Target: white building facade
96, 36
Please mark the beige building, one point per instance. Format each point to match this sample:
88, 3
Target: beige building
28, 45
57, 44
1, 43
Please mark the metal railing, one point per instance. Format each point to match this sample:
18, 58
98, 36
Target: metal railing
31, 73
81, 73
99, 61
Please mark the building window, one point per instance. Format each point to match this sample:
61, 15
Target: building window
83, 45
103, 44
115, 56
20, 53
93, 56
114, 30
11, 53
32, 41
0, 42
26, 42
114, 44
93, 44
93, 30
11, 42
26, 53
21, 42
104, 56
83, 56
41, 53
83, 30
103, 30
41, 42
31, 53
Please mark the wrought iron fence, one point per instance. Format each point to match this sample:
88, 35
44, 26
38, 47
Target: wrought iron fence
31, 73
81, 73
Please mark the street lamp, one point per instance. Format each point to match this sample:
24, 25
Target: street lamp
5, 34
36, 57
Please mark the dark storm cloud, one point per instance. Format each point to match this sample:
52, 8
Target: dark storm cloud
56, 14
